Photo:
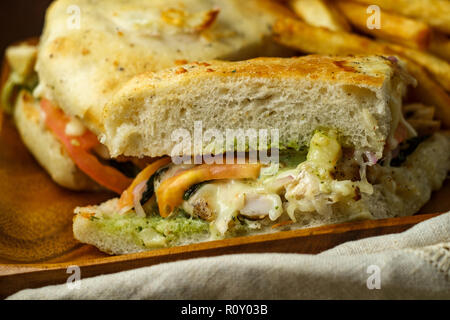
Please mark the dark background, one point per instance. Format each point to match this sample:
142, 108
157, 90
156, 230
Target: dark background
20, 19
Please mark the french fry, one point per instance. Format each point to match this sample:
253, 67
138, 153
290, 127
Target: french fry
420, 117
431, 93
425, 127
303, 37
438, 68
436, 13
418, 111
306, 38
319, 13
440, 46
404, 31
394, 28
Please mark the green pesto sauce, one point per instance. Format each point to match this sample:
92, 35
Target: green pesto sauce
291, 158
172, 229
13, 86
169, 231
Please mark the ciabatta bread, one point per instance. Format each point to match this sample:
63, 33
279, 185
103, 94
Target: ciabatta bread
359, 96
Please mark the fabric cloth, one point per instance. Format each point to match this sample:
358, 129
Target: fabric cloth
414, 264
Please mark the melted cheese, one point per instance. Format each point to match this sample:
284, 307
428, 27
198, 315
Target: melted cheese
227, 199
224, 199
75, 128
307, 188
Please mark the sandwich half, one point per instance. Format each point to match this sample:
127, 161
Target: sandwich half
312, 140
89, 49
137, 97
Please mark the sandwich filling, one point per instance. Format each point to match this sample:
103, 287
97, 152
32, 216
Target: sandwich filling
170, 201
161, 202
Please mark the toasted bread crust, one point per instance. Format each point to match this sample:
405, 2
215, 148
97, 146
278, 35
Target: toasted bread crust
353, 70
293, 95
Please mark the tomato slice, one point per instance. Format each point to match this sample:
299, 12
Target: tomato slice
170, 193
78, 150
57, 121
127, 196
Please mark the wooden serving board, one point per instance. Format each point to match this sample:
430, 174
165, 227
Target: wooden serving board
37, 244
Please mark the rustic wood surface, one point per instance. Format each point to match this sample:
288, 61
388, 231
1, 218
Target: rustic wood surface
36, 241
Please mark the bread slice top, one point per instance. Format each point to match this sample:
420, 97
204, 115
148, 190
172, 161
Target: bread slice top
90, 48
360, 96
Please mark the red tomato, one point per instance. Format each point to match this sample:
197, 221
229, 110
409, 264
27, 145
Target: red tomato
78, 149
